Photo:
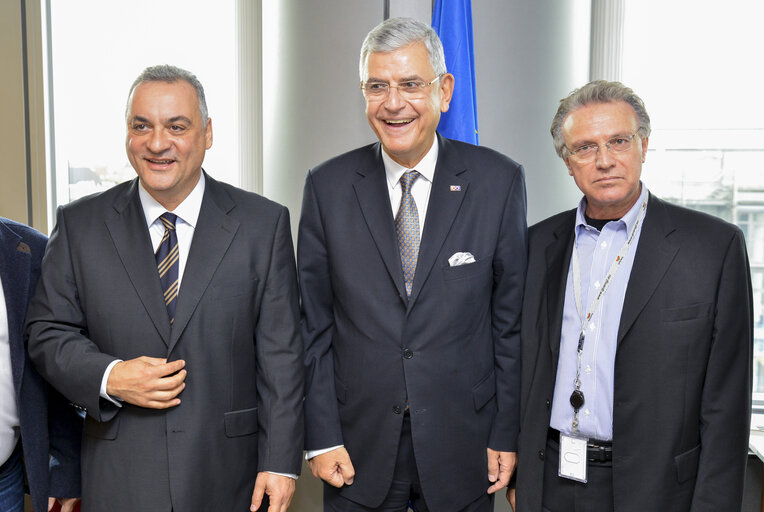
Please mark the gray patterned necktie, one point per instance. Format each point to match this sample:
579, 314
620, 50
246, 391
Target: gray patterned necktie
407, 229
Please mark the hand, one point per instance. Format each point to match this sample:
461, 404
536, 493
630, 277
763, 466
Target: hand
279, 489
500, 468
148, 382
511, 499
333, 467
67, 504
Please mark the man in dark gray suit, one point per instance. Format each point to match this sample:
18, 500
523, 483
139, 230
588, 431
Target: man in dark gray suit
188, 361
637, 334
412, 341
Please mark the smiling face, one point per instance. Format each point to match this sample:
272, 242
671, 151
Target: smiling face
406, 128
611, 181
166, 140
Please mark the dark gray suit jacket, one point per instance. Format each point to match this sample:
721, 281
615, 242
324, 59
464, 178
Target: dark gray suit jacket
236, 326
50, 427
682, 396
451, 352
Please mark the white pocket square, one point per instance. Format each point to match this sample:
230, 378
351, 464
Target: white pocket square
461, 258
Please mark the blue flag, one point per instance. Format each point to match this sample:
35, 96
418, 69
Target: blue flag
452, 20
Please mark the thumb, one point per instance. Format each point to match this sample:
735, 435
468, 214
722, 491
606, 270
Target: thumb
493, 467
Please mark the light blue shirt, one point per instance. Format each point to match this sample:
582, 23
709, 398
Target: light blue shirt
596, 253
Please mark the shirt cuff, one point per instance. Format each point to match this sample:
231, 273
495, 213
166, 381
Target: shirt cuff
315, 453
290, 475
115, 400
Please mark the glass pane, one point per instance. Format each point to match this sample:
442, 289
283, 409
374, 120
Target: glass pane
98, 48
707, 147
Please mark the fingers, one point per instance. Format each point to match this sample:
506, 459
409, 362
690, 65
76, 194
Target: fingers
334, 467
347, 471
500, 468
51, 502
257, 494
511, 499
493, 465
279, 489
148, 381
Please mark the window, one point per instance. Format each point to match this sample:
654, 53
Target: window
694, 65
97, 49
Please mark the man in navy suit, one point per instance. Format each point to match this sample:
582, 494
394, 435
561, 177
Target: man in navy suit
411, 258
36, 423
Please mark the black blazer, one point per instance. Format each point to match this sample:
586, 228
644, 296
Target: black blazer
451, 353
50, 427
683, 363
236, 326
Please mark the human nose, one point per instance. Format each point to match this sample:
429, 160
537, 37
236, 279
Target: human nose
604, 158
393, 100
159, 141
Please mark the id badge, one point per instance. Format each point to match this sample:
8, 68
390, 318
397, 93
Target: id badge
573, 457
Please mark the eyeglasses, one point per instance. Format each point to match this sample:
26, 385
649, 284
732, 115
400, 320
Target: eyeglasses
409, 90
588, 152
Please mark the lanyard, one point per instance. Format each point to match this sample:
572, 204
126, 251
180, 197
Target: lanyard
577, 397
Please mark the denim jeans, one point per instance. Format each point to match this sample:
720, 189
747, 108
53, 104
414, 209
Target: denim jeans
12, 484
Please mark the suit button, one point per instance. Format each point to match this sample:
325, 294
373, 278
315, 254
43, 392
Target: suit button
397, 409
541, 454
407, 354
548, 404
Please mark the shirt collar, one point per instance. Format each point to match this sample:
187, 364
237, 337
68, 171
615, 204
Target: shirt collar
187, 210
425, 167
627, 220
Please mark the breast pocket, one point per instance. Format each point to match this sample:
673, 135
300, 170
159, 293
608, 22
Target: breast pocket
469, 270
233, 289
685, 313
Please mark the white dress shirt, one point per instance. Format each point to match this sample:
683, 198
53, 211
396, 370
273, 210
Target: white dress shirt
9, 415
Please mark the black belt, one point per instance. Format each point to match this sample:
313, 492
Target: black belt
596, 450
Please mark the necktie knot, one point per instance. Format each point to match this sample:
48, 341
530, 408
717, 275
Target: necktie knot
407, 180
168, 220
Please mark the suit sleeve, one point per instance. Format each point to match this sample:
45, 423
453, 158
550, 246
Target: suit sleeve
58, 334
322, 418
65, 434
279, 360
510, 261
64, 424
726, 397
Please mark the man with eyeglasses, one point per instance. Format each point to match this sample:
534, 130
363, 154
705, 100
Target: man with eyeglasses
411, 259
636, 334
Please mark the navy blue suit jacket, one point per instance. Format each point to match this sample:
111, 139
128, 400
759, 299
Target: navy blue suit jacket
451, 352
50, 427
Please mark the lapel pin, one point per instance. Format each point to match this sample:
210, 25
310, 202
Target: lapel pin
456, 188
22, 247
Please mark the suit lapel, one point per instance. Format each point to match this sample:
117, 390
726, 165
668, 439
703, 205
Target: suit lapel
213, 234
558, 255
128, 230
443, 206
374, 200
15, 261
655, 252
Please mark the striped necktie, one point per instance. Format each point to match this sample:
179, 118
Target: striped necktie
407, 229
167, 263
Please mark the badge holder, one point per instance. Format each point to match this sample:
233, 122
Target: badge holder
573, 457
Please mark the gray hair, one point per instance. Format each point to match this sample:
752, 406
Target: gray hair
396, 33
597, 91
170, 74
